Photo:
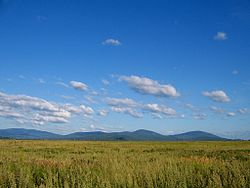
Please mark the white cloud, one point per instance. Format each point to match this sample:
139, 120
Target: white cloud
129, 106
72, 109
157, 116
79, 85
41, 119
218, 96
62, 84
86, 110
93, 127
242, 110
189, 106
105, 82
94, 93
127, 110
112, 42
200, 116
124, 105
121, 102
160, 109
89, 99
103, 112
148, 86
217, 110
67, 97
231, 114
60, 113
26, 109
220, 36
6, 111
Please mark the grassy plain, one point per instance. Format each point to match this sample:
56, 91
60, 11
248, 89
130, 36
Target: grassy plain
124, 164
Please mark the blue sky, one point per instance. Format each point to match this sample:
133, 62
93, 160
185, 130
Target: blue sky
168, 66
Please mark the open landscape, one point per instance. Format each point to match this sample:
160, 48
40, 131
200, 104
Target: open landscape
124, 164
124, 94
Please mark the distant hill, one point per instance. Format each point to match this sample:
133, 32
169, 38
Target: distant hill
139, 135
4, 138
29, 134
197, 135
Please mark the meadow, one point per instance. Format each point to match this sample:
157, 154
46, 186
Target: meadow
124, 164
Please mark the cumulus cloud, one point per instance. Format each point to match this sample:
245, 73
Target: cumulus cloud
86, 110
242, 110
218, 96
6, 111
78, 85
189, 106
217, 109
135, 109
159, 109
103, 112
121, 102
127, 110
200, 116
40, 119
90, 99
124, 105
72, 109
26, 109
231, 114
220, 36
148, 86
112, 42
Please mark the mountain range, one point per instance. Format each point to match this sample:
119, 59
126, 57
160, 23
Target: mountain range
139, 135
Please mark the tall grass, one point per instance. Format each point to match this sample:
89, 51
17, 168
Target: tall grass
124, 164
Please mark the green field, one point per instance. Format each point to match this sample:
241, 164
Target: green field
124, 164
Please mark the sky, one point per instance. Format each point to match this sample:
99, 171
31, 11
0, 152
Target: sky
169, 66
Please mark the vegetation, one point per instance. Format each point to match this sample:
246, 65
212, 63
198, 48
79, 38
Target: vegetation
124, 164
